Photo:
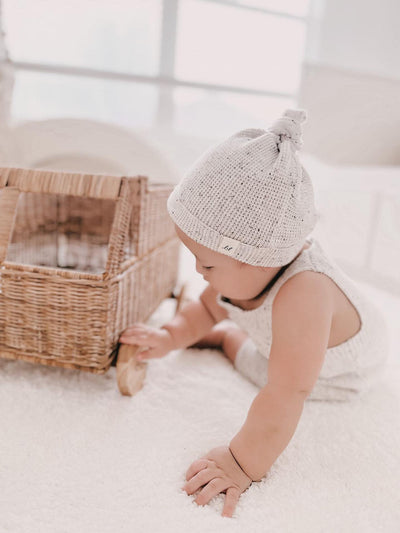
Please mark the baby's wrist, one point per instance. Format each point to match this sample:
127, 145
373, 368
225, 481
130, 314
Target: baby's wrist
172, 344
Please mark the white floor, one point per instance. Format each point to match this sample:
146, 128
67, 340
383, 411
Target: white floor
76, 456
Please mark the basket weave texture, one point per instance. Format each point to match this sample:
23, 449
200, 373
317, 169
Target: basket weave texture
81, 258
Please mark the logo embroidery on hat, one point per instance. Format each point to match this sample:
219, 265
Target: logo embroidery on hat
228, 246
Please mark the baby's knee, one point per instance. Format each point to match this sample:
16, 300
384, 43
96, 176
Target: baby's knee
232, 341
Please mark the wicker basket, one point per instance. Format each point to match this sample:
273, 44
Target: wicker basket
81, 258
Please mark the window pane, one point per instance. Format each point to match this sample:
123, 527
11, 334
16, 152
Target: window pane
40, 96
224, 45
293, 7
122, 35
217, 114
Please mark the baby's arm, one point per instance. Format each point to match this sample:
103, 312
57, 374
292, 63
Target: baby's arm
301, 323
188, 326
195, 320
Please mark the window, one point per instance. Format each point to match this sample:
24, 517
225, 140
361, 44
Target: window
227, 45
180, 64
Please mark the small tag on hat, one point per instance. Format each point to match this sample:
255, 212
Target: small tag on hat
228, 246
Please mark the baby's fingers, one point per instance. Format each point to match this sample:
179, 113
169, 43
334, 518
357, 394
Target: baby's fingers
145, 354
138, 327
134, 339
231, 500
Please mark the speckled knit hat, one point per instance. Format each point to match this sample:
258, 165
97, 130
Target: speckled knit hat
249, 197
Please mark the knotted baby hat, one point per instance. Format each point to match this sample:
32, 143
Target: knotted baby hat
249, 196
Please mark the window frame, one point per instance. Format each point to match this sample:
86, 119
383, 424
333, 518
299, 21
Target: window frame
166, 79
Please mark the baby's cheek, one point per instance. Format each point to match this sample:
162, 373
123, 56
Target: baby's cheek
218, 283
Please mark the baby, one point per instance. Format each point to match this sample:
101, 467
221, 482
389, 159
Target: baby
302, 330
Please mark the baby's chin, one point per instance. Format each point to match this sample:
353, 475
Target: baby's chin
234, 295
238, 297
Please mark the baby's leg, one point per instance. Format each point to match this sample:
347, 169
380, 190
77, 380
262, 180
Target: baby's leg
211, 340
251, 363
240, 349
228, 338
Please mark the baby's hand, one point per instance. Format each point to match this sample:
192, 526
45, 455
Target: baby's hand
216, 472
158, 340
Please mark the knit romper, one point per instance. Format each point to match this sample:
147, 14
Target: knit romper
350, 368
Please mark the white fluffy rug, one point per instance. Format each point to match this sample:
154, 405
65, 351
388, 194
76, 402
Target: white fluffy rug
76, 456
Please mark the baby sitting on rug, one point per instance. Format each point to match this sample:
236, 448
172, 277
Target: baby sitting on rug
245, 209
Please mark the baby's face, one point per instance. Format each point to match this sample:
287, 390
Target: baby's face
232, 278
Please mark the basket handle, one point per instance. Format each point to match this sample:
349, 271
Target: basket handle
8, 207
130, 196
56, 182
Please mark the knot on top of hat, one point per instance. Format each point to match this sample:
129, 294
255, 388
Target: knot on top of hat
288, 127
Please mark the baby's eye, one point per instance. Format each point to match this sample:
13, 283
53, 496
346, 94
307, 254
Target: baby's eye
208, 268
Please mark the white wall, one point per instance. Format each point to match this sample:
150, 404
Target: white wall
351, 82
358, 35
